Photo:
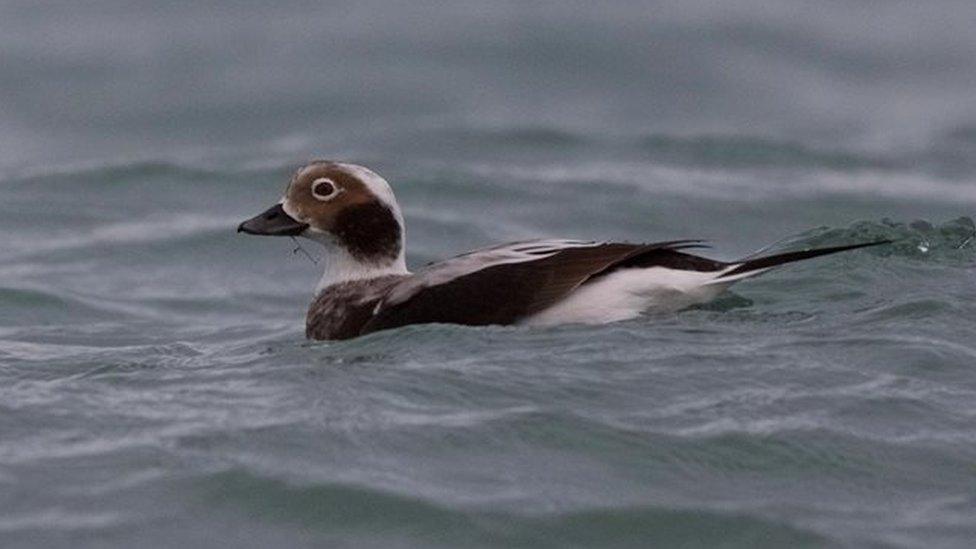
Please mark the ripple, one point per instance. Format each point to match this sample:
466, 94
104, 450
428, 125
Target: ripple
58, 519
357, 511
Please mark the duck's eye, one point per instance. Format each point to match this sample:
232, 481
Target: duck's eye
324, 188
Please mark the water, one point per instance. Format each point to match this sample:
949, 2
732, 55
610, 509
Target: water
155, 386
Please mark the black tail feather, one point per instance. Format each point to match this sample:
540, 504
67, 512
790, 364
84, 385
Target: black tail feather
761, 263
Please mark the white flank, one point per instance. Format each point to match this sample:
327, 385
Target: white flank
627, 293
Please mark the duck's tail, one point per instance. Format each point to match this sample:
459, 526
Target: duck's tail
739, 270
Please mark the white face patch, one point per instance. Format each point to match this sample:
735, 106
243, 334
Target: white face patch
325, 189
376, 185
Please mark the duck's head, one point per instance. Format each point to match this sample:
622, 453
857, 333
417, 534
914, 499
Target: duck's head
339, 205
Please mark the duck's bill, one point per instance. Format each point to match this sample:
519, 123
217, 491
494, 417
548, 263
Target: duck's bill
273, 222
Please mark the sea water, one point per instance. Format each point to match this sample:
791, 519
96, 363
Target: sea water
156, 389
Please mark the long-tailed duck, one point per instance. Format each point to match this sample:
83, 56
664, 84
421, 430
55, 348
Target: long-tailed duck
366, 286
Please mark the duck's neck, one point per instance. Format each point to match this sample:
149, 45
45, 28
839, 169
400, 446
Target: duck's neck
341, 266
365, 241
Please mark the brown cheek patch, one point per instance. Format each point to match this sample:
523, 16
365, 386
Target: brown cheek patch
369, 231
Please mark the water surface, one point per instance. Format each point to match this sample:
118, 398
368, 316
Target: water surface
156, 388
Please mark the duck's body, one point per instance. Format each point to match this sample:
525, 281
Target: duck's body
366, 286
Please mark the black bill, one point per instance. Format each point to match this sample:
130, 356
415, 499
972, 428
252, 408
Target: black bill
273, 222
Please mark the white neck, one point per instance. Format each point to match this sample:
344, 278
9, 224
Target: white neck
340, 266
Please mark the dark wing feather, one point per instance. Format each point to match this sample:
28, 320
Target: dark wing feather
490, 287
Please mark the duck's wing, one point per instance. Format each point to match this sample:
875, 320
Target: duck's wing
502, 284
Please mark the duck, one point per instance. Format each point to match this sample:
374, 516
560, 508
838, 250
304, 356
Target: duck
352, 213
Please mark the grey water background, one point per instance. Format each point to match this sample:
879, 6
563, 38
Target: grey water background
155, 386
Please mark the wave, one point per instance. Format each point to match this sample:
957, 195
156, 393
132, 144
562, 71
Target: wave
103, 170
163, 229
713, 184
947, 153
364, 513
725, 167
950, 243
32, 304
705, 150
752, 152
211, 168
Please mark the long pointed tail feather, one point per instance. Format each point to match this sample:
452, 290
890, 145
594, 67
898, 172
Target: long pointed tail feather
756, 266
